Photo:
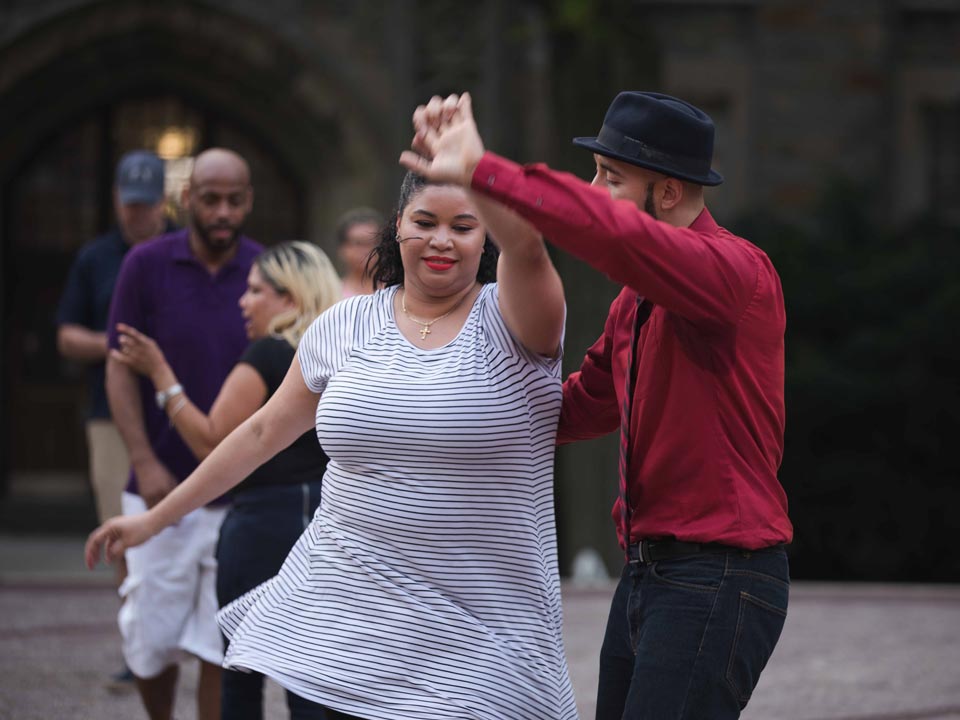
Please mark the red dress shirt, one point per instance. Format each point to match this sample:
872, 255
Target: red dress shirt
706, 427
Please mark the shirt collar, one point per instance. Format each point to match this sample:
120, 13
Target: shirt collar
181, 247
169, 228
704, 222
182, 252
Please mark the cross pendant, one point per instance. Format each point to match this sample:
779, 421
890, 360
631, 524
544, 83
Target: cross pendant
424, 331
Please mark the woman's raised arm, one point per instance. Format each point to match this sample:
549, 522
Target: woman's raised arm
531, 293
284, 418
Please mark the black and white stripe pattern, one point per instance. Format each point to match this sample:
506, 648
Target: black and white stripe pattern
426, 585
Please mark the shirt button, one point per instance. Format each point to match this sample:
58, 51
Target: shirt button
491, 180
539, 201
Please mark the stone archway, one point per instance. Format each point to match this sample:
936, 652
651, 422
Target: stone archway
326, 137
321, 119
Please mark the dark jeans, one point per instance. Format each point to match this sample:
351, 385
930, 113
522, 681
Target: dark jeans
687, 639
261, 527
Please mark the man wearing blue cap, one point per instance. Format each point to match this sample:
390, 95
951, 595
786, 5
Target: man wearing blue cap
690, 369
82, 320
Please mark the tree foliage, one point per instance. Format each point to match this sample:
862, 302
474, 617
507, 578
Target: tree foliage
872, 390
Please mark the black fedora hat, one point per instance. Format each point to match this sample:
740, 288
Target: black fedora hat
657, 132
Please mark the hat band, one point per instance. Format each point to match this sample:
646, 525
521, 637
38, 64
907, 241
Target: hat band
631, 147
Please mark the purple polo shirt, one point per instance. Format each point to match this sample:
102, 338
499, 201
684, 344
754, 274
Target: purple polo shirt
166, 293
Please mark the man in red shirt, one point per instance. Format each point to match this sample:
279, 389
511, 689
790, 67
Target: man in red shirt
690, 369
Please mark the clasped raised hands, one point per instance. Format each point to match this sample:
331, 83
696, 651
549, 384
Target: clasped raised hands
446, 145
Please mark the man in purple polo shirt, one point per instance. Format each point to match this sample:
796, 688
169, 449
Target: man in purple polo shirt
182, 290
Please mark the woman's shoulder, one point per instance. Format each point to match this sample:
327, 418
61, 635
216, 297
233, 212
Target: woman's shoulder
336, 334
275, 345
370, 313
501, 337
489, 291
356, 305
341, 315
268, 348
488, 301
351, 320
270, 342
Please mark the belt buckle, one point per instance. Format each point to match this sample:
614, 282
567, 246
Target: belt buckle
643, 552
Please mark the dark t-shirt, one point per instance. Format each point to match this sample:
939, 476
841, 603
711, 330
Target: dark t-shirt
304, 461
86, 301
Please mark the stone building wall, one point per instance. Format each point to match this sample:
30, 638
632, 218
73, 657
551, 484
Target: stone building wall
803, 92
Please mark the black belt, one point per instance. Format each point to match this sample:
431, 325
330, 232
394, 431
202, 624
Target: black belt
650, 551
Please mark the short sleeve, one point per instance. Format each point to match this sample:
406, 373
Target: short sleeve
127, 305
501, 337
76, 303
329, 340
270, 357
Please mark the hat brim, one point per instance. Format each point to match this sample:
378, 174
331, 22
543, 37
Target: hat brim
138, 195
591, 144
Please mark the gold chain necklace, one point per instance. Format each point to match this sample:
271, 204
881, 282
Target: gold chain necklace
425, 324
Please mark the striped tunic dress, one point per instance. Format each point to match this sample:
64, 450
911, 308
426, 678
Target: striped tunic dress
426, 586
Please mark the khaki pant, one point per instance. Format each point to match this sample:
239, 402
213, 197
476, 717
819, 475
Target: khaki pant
109, 467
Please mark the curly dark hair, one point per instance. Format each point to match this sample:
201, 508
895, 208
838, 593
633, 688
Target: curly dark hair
384, 264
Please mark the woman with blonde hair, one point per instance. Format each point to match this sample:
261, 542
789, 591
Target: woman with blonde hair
289, 285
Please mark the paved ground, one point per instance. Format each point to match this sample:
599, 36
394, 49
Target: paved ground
849, 651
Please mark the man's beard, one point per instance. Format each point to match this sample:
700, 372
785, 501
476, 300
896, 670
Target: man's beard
217, 246
648, 206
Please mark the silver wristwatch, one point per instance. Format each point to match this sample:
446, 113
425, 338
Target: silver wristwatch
163, 396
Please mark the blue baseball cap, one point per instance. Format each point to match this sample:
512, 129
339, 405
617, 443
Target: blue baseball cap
140, 178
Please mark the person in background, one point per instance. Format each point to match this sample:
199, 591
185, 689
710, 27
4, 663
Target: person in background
182, 290
690, 367
357, 232
427, 585
138, 202
288, 286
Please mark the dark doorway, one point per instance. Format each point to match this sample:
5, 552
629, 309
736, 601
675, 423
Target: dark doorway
59, 199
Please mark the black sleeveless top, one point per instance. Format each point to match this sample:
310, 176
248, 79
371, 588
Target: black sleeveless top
304, 461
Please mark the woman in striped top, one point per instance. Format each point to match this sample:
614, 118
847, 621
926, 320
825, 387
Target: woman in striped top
426, 586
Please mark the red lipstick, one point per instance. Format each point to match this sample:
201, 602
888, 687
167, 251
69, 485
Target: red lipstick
439, 263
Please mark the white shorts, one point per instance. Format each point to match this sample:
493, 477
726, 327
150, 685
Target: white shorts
170, 593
